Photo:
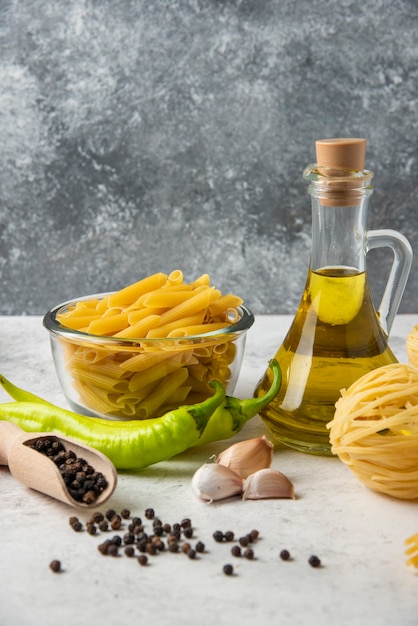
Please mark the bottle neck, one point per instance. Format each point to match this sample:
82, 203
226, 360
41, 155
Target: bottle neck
339, 217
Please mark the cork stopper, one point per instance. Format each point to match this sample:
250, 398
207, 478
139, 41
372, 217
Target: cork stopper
345, 153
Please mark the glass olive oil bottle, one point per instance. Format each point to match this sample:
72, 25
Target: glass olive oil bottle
336, 335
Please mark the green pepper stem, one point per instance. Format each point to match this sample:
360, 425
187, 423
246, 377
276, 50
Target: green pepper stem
202, 411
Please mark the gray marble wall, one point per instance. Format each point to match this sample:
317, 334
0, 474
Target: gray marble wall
139, 136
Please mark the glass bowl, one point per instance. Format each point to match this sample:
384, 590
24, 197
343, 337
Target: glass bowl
143, 378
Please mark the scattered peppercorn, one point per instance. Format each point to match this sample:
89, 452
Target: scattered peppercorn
314, 561
186, 522
55, 566
218, 536
229, 535
249, 554
244, 541
188, 532
110, 513
77, 526
125, 513
236, 551
116, 540
129, 551
116, 522
191, 553
149, 513
173, 546
142, 559
113, 550
200, 546
228, 569
285, 555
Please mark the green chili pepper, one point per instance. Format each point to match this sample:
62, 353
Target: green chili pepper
135, 444
232, 415
132, 444
20, 394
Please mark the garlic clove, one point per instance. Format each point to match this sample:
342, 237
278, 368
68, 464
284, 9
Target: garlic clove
215, 482
267, 483
246, 457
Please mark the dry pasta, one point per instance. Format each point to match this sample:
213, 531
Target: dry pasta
411, 551
375, 430
412, 346
142, 380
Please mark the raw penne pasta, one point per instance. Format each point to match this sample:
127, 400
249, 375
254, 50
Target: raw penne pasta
163, 297
144, 360
158, 371
132, 292
198, 302
222, 304
108, 324
162, 392
123, 379
98, 379
166, 329
139, 329
196, 329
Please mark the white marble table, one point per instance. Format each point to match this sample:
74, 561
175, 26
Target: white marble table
358, 534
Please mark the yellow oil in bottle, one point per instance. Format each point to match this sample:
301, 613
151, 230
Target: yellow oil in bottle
334, 339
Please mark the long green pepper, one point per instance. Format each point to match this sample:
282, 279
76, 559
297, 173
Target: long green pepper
135, 444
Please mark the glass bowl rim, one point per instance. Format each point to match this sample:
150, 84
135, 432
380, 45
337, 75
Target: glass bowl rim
51, 323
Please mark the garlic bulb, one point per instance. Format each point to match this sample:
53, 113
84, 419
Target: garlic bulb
246, 457
267, 483
215, 482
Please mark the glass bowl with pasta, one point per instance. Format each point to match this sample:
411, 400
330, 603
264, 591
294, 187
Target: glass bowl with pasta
148, 348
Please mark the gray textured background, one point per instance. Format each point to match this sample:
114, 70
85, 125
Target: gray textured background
143, 136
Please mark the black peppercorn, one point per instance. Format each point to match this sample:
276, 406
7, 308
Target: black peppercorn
149, 513
110, 513
228, 569
188, 532
229, 535
55, 566
125, 513
200, 546
236, 551
285, 555
142, 559
218, 536
116, 522
249, 554
186, 522
314, 561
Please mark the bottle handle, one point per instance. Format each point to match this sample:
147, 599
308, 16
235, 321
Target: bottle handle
402, 261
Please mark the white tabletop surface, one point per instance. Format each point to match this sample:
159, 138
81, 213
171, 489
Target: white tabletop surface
358, 534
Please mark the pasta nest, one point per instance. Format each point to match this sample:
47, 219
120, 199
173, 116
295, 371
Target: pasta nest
375, 430
412, 346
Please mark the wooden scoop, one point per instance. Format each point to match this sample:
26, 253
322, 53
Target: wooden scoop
38, 471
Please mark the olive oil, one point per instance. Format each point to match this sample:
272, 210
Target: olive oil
335, 338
